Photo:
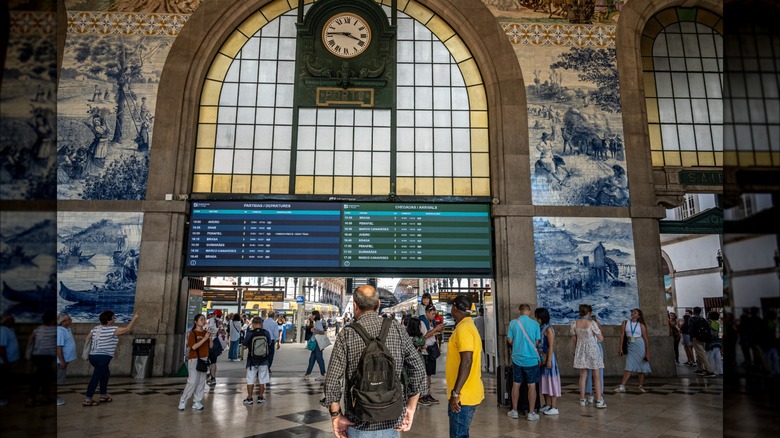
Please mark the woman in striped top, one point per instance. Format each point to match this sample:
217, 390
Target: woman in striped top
104, 340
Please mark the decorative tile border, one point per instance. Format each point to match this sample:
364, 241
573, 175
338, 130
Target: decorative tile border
565, 35
111, 23
33, 23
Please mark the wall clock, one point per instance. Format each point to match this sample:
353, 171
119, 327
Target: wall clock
346, 35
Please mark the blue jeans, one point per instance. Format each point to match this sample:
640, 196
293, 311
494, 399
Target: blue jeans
384, 433
100, 375
589, 381
233, 350
316, 355
460, 421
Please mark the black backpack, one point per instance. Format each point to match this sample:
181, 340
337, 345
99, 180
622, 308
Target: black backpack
700, 329
377, 392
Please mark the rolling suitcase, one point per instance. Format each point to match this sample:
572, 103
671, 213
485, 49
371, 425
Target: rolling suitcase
504, 385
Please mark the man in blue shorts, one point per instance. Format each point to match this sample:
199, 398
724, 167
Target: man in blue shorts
524, 335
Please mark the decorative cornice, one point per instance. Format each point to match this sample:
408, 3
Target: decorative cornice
33, 23
564, 35
120, 23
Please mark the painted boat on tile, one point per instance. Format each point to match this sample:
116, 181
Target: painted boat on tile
98, 295
37, 295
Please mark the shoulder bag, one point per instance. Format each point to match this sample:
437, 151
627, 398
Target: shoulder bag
203, 364
528, 338
624, 346
88, 344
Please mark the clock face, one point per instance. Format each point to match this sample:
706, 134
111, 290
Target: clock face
346, 35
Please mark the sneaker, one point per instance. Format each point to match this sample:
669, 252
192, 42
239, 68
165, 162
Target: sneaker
60, 401
583, 402
591, 399
260, 400
532, 416
700, 372
306, 376
620, 388
512, 414
320, 378
709, 375
642, 389
248, 401
432, 400
197, 406
182, 405
601, 404
423, 401
551, 411
544, 409
212, 382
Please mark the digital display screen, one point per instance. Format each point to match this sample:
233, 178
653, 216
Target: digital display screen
345, 238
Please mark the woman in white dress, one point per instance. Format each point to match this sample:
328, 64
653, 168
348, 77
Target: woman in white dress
587, 355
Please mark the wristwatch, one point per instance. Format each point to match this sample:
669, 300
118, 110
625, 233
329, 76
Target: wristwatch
454, 394
334, 414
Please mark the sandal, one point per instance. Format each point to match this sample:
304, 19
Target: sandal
106, 399
90, 403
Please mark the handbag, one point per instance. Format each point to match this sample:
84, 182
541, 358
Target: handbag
87, 350
624, 346
201, 365
323, 341
28, 353
541, 359
311, 344
433, 351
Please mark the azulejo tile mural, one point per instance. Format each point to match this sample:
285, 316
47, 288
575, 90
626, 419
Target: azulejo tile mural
561, 11
158, 6
105, 121
585, 261
28, 110
575, 126
97, 263
27, 263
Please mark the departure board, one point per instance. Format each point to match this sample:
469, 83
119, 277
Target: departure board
339, 238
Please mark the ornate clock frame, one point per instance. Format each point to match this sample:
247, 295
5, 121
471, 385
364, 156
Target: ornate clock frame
366, 80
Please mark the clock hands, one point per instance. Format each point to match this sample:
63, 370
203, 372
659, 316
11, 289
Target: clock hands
346, 34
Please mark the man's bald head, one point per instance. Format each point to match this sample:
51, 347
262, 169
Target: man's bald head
366, 298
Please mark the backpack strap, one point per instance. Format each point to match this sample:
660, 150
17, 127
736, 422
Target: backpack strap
362, 332
385, 328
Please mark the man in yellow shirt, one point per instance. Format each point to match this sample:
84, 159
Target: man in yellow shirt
463, 370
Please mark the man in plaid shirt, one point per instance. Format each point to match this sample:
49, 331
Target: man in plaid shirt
344, 361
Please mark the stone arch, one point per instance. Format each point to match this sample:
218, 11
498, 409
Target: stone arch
193, 51
668, 261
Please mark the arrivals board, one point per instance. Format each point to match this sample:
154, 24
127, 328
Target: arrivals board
345, 238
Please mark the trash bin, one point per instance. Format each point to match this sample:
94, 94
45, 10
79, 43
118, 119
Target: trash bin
143, 357
289, 333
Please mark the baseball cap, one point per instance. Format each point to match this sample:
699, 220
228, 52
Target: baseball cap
218, 312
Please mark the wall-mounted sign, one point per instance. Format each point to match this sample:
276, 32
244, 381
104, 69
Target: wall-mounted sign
701, 177
362, 97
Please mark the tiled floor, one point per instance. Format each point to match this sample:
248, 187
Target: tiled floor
680, 407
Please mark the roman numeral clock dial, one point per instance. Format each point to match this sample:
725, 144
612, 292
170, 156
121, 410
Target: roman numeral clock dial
346, 35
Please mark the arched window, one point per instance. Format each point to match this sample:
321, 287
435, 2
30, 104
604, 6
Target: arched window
752, 113
682, 56
250, 142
